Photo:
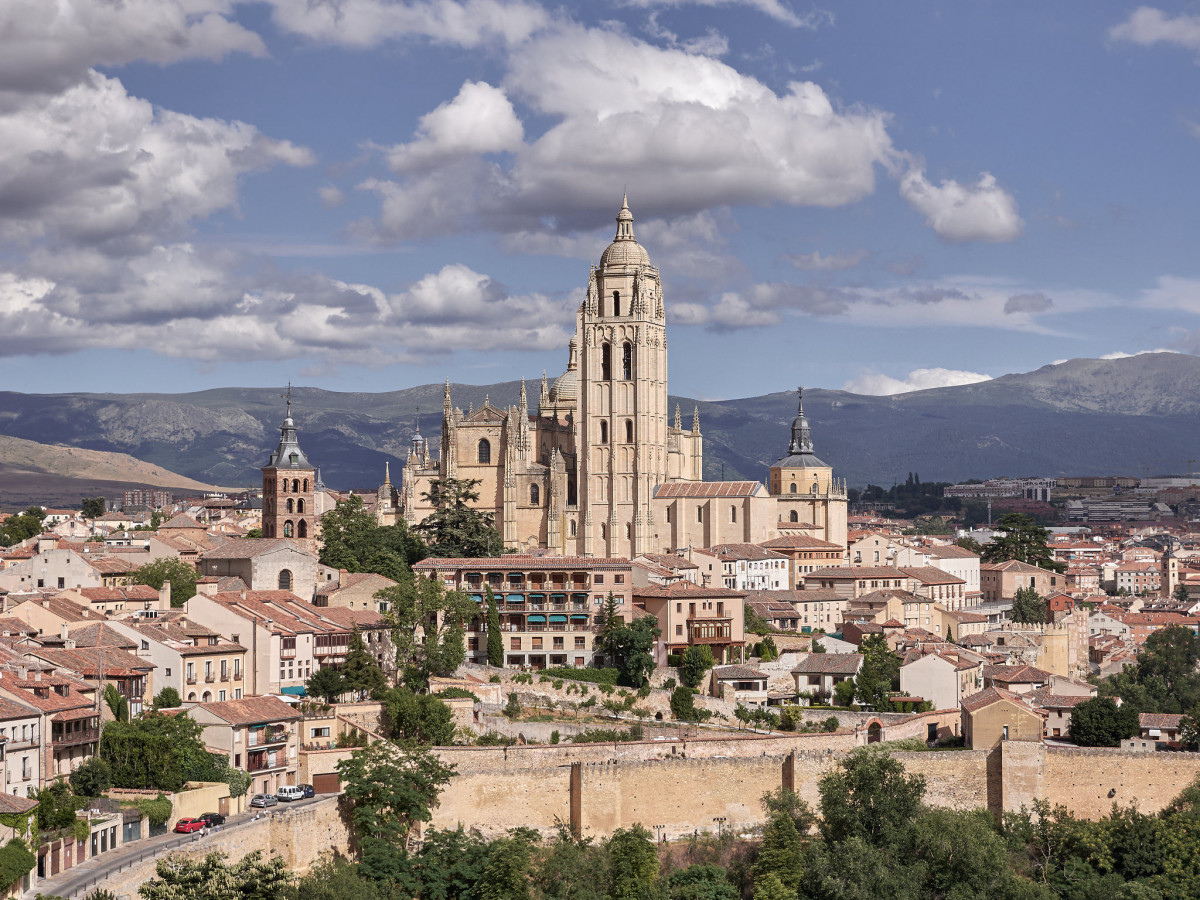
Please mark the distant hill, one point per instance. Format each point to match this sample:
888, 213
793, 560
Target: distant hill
60, 475
1082, 417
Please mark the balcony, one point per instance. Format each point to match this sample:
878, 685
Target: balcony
71, 738
709, 630
191, 679
287, 652
261, 737
224, 676
209, 677
265, 765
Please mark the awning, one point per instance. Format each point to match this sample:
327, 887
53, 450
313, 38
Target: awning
515, 598
558, 620
478, 598
537, 598
296, 691
579, 597
579, 616
558, 598
535, 620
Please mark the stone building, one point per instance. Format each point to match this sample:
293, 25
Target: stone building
289, 488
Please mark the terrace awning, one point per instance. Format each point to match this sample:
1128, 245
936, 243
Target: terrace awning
558, 620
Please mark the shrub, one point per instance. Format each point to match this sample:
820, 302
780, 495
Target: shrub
584, 673
558, 683
494, 679
605, 735
683, 706
669, 684
456, 693
156, 811
674, 660
16, 861
512, 709
492, 739
554, 736
644, 690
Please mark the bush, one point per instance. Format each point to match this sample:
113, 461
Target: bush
555, 736
16, 861
830, 724
584, 673
456, 693
92, 778
156, 811
494, 679
492, 739
674, 660
512, 709
607, 735
669, 684
558, 683
683, 706
644, 691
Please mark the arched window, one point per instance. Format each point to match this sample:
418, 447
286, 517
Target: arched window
300, 506
792, 488
616, 303
485, 452
572, 528
699, 513
794, 517
291, 505
629, 531
287, 529
606, 362
629, 431
283, 486
733, 514
603, 431
285, 579
535, 495
306, 485
295, 485
627, 361
207, 698
603, 532
303, 529
668, 515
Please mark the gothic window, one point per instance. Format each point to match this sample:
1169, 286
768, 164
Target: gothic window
629, 531
300, 506
627, 361
572, 528
572, 494
733, 514
616, 303
285, 579
534, 497
699, 513
606, 362
303, 529
485, 452
629, 431
295, 485
795, 516
283, 486
291, 505
603, 432
287, 529
792, 488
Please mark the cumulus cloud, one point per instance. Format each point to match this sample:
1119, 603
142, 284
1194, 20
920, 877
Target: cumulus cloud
331, 196
51, 44
1121, 354
479, 120
369, 23
1148, 26
956, 212
95, 165
834, 262
878, 384
776, 9
1031, 303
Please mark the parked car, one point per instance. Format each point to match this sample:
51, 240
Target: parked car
308, 790
290, 792
211, 819
187, 826
263, 800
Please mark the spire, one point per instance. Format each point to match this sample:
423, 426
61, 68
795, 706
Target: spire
696, 420
801, 433
487, 399
288, 453
446, 407
524, 402
624, 221
387, 472
545, 395
678, 419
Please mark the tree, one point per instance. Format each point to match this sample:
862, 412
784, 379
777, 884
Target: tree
495, 640
506, 874
353, 540
16, 529
91, 779
92, 507
629, 646
683, 705
1028, 607
702, 881
389, 789
326, 682
428, 627
879, 675
1180, 594
1023, 539
697, 660
212, 878
969, 543
1099, 722
254, 533
844, 691
1165, 678
781, 853
167, 698
784, 802
182, 576
160, 752
116, 703
361, 672
417, 719
868, 796
571, 869
455, 528
633, 866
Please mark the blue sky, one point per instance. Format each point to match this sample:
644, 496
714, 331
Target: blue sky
369, 195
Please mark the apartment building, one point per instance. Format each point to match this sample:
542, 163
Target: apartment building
748, 567
21, 743
194, 660
259, 735
690, 614
68, 713
805, 555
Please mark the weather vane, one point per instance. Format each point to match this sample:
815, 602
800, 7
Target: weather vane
288, 398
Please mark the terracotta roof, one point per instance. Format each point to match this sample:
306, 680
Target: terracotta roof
11, 709
1169, 721
965, 618
676, 489
800, 542
669, 560
98, 634
1014, 565
518, 561
725, 672
248, 548
111, 565
932, 575
813, 595
829, 664
732, 552
684, 589
1016, 674
251, 710
12, 804
892, 623
1047, 700
950, 551
845, 572
134, 592
181, 521
991, 695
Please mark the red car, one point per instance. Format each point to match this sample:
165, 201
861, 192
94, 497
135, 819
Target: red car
187, 826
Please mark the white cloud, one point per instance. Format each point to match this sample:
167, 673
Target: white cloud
1029, 303
369, 23
776, 9
834, 262
1121, 354
94, 164
331, 196
980, 212
1148, 26
479, 120
51, 44
878, 384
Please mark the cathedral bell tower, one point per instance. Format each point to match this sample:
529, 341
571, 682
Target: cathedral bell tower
289, 487
621, 330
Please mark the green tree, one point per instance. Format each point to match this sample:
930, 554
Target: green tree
449, 865
16, 529
633, 864
212, 878
495, 640
506, 874
56, 806
630, 647
1023, 539
969, 543
91, 779
1099, 722
116, 703
1180, 594
1028, 607
92, 507
697, 660
782, 852
388, 789
572, 869
428, 627
159, 752
868, 796
783, 802
417, 719
360, 671
1165, 678
182, 576
844, 691
254, 533
455, 527
167, 698
683, 705
879, 675
326, 682
702, 881
337, 879
353, 540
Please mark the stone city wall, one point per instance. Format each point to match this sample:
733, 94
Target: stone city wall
1088, 782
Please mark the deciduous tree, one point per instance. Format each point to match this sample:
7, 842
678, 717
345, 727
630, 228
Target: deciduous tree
182, 576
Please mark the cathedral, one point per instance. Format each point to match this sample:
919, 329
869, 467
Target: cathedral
602, 467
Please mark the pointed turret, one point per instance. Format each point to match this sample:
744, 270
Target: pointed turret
447, 407
678, 418
696, 420
387, 472
800, 450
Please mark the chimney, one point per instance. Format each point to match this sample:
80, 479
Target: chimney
69, 644
62, 632
164, 595
22, 672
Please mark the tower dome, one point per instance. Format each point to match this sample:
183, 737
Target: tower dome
566, 385
800, 451
624, 250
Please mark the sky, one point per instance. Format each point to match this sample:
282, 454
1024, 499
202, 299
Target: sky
367, 195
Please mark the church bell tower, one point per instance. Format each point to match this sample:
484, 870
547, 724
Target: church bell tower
289, 487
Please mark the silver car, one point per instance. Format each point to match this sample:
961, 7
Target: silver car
263, 800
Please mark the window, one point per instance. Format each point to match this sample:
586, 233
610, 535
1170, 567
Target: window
514, 643
629, 531
572, 528
287, 529
302, 531
1006, 732
295, 485
485, 452
794, 517
291, 505
733, 514
537, 643
62, 583
629, 431
699, 513
580, 643
606, 362
168, 673
603, 432
300, 506
668, 515
285, 579
221, 696
603, 532
627, 361
534, 495
618, 579
616, 303
305, 489
322, 732
678, 630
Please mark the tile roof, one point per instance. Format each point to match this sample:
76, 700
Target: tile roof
676, 489
519, 561
1169, 721
812, 595
731, 552
991, 695
724, 672
800, 542
932, 575
829, 664
181, 521
98, 634
135, 592
248, 548
251, 710
684, 589
845, 572
950, 551
1016, 674
11, 804
1014, 565
669, 560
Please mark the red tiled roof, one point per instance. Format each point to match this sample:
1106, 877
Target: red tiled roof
800, 542
828, 664
517, 561
676, 489
991, 695
684, 589
251, 710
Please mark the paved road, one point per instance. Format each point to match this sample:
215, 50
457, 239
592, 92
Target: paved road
79, 879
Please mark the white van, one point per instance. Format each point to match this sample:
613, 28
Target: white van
289, 793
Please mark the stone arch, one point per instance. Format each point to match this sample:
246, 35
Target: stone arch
300, 506
291, 505
794, 516
285, 579
874, 731
287, 529
484, 452
302, 529
535, 498
295, 485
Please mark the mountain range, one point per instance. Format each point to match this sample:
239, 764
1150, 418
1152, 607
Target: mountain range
1079, 417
